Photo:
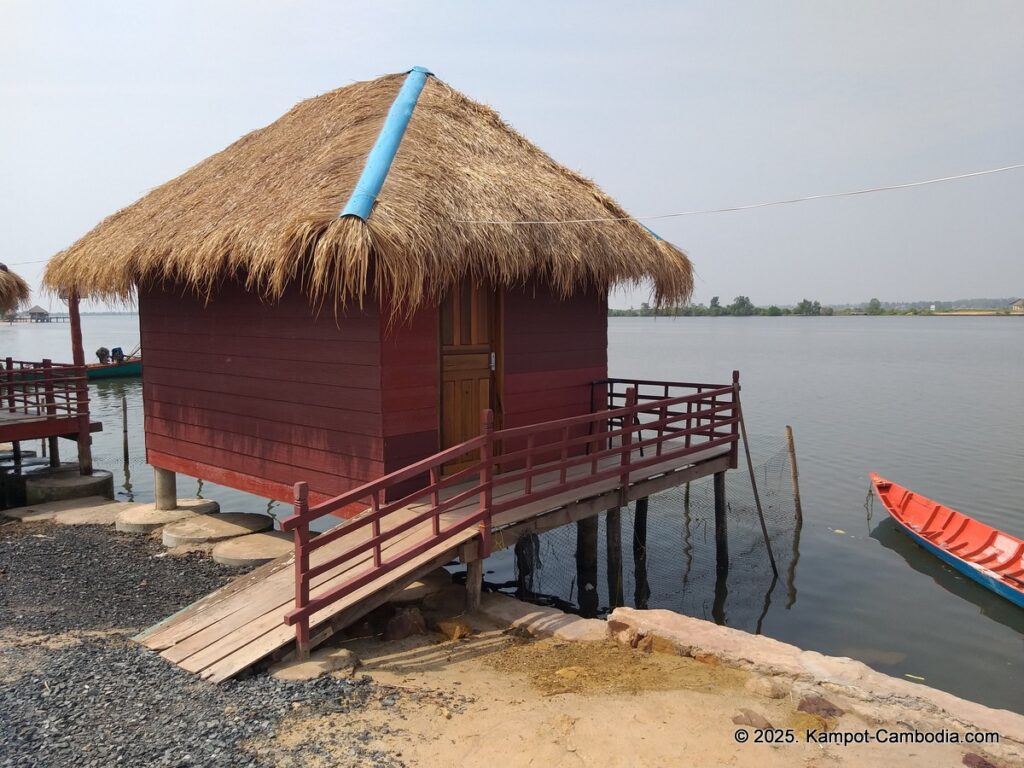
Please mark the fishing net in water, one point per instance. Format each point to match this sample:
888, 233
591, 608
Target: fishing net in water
676, 568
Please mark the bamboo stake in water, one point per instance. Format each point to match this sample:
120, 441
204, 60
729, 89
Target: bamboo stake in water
124, 425
791, 447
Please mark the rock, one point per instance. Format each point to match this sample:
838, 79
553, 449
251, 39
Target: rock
751, 718
433, 582
253, 549
769, 687
448, 601
818, 705
201, 529
337, 661
974, 760
454, 629
144, 518
406, 622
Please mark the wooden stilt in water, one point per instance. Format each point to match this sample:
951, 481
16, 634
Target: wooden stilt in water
721, 526
613, 560
586, 566
642, 588
124, 426
794, 473
526, 551
474, 584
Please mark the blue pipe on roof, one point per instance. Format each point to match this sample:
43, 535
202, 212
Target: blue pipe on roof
656, 235
378, 162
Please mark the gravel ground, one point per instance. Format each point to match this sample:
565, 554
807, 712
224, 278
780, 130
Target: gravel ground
75, 691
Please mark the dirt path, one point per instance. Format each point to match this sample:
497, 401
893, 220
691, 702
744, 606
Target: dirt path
551, 703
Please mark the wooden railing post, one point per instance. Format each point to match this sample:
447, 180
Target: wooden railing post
51, 411
9, 368
301, 570
486, 480
734, 449
627, 445
82, 387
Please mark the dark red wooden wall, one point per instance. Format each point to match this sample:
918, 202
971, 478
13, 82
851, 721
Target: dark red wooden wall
553, 349
258, 396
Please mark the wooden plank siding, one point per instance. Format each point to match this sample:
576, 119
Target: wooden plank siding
553, 349
259, 396
410, 392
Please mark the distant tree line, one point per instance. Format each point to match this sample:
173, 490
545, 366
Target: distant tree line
742, 306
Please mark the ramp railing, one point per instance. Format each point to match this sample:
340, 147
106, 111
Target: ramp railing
501, 471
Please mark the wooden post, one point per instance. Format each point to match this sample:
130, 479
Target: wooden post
794, 473
526, 550
301, 505
474, 584
734, 449
613, 560
642, 589
124, 426
626, 455
82, 387
586, 566
165, 488
51, 411
486, 480
721, 526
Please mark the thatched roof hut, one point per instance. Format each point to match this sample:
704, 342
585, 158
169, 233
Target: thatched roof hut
13, 290
380, 199
267, 210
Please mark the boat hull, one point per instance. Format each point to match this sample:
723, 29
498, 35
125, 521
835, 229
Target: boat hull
127, 369
993, 559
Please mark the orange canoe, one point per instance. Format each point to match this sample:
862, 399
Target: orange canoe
992, 558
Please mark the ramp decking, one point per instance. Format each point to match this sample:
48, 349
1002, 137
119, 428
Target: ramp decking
243, 623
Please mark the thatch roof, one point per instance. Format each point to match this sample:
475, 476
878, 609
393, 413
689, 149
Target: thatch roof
37, 310
13, 290
266, 211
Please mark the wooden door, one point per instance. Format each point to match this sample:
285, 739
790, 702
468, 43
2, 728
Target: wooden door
467, 364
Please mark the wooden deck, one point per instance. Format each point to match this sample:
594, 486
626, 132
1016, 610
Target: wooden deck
243, 623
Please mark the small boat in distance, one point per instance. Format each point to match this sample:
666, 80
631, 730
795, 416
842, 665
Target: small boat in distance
115, 364
130, 366
988, 556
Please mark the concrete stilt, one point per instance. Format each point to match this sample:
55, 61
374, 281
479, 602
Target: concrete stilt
165, 489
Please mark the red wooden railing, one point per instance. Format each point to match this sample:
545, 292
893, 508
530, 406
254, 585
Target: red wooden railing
509, 468
40, 388
45, 399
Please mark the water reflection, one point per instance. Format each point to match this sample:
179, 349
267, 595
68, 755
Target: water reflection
889, 534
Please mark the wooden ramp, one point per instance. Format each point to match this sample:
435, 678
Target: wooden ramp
242, 623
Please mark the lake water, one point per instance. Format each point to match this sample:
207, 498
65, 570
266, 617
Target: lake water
933, 403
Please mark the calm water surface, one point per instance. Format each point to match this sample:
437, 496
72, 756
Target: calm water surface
933, 403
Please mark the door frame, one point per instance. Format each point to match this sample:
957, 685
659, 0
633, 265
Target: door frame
497, 388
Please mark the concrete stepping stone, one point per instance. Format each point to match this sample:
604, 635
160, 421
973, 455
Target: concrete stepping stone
144, 518
253, 549
91, 510
203, 529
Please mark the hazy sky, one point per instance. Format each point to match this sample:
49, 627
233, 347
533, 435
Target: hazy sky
668, 106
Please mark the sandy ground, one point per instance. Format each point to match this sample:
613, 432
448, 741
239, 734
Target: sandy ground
499, 700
